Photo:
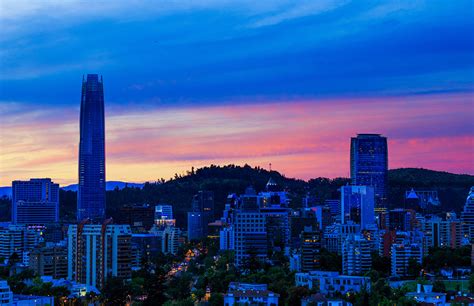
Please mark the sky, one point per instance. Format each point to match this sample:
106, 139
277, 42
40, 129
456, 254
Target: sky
193, 83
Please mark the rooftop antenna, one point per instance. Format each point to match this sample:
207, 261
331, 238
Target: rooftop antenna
270, 165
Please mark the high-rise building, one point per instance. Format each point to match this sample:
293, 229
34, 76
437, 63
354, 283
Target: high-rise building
35, 202
97, 251
17, 239
170, 240
310, 249
369, 164
201, 215
356, 258
91, 185
401, 254
357, 205
140, 217
250, 236
467, 217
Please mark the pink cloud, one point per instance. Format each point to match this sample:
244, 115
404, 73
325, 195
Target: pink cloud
303, 138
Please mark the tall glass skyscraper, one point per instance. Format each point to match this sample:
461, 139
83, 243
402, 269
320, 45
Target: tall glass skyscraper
369, 164
91, 189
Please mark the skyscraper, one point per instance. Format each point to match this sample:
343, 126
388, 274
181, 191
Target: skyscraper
369, 163
35, 202
357, 205
91, 190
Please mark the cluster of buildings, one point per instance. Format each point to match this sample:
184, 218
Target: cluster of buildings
254, 224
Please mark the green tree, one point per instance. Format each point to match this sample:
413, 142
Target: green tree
296, 294
216, 299
414, 267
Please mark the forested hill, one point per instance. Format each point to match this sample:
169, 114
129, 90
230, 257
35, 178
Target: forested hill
452, 189
223, 180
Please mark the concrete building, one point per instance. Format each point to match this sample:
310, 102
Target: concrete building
17, 239
35, 202
427, 296
356, 258
6, 296
401, 254
170, 240
250, 294
310, 249
328, 282
334, 235
250, 236
50, 260
97, 251
226, 238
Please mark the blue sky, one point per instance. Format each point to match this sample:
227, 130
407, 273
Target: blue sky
215, 51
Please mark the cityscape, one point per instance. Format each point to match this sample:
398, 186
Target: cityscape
379, 211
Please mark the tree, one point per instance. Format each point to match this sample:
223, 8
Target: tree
439, 286
414, 267
471, 283
296, 294
216, 299
115, 291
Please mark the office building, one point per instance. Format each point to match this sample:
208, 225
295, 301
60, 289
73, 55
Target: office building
250, 236
357, 205
226, 238
330, 282
310, 249
97, 251
49, 260
17, 239
277, 226
369, 164
145, 246
140, 217
201, 215
163, 212
250, 294
356, 258
467, 217
334, 235
401, 254
171, 240
91, 185
35, 202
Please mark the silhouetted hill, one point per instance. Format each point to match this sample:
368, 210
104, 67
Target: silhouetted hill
178, 192
109, 185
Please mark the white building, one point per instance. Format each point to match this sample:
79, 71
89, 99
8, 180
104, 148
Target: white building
328, 282
427, 295
401, 254
356, 258
250, 294
17, 239
467, 217
6, 296
170, 240
96, 251
226, 238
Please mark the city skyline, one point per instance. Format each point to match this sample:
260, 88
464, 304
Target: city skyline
266, 86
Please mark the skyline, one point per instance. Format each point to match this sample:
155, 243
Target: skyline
264, 86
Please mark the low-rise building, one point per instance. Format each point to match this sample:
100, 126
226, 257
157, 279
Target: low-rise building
328, 282
427, 295
250, 294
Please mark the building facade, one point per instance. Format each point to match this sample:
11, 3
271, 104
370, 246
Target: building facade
35, 202
17, 239
91, 185
97, 251
467, 217
49, 260
369, 163
356, 258
357, 205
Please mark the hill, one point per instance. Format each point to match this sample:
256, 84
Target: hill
222, 180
